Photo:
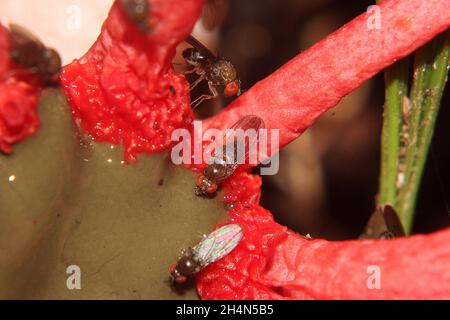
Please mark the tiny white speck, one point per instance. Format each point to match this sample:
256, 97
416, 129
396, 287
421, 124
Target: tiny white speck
400, 180
12, 178
109, 160
122, 162
112, 146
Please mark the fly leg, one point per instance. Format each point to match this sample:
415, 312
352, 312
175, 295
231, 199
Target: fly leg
204, 97
190, 71
196, 82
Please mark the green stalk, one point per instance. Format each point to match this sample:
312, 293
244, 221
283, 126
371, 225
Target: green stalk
408, 125
430, 75
396, 79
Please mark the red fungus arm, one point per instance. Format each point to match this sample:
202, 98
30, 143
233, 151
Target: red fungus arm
124, 89
294, 96
272, 262
406, 268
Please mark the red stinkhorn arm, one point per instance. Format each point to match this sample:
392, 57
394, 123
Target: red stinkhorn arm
407, 268
124, 88
294, 96
272, 262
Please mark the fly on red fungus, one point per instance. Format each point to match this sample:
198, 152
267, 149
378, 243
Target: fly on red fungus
384, 224
138, 11
217, 71
29, 52
222, 165
213, 247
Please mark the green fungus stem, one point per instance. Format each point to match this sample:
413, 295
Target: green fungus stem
430, 75
396, 79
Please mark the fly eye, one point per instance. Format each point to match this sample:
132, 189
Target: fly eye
200, 180
231, 89
212, 188
180, 279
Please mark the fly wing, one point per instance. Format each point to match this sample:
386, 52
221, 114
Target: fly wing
218, 244
393, 222
200, 47
237, 142
249, 122
242, 137
383, 223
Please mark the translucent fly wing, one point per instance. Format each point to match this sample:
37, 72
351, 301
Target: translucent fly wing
218, 244
200, 47
238, 140
249, 122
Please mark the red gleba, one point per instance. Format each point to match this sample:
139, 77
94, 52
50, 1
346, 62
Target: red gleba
18, 99
242, 190
124, 89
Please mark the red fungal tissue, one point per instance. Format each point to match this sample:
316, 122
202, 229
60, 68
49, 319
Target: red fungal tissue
272, 262
242, 190
124, 88
18, 99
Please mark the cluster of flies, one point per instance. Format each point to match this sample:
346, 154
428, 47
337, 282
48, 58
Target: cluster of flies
37, 59
218, 72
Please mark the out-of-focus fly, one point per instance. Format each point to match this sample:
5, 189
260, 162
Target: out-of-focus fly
217, 71
222, 165
383, 224
139, 11
213, 247
29, 52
